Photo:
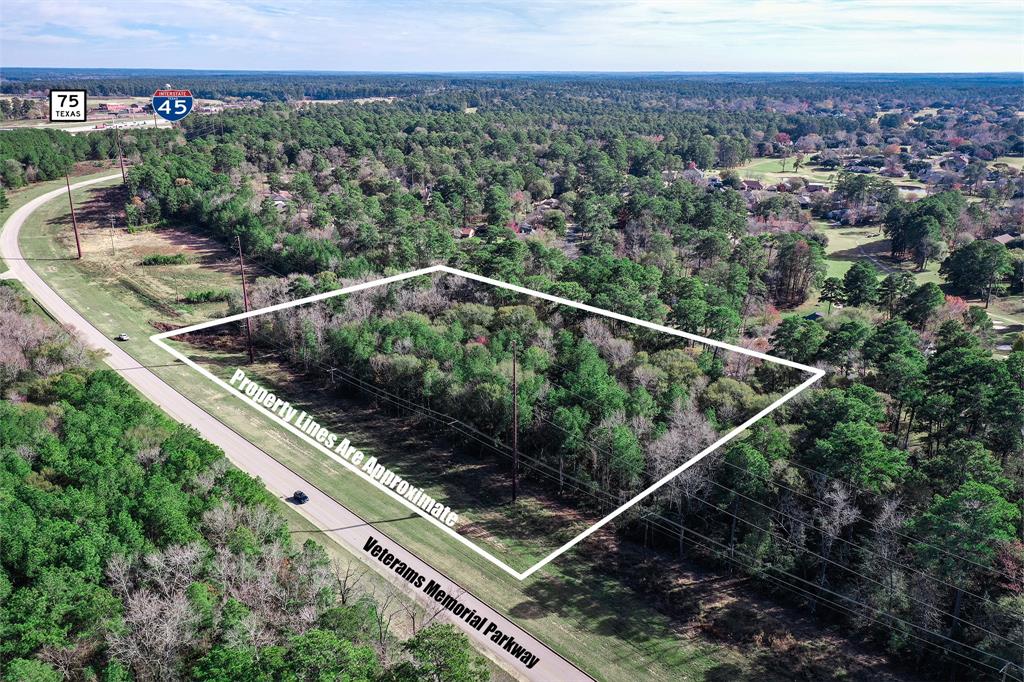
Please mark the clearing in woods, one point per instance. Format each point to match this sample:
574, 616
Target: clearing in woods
560, 531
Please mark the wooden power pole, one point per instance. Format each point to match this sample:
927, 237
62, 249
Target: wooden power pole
515, 427
74, 220
120, 156
245, 300
111, 216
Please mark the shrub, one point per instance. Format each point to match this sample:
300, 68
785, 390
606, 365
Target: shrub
165, 259
206, 296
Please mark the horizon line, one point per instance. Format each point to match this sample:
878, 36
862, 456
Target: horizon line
443, 72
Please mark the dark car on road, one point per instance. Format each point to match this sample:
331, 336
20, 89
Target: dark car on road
300, 497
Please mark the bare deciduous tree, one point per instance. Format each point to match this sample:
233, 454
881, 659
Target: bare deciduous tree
888, 589
156, 631
347, 579
833, 515
688, 434
388, 606
173, 569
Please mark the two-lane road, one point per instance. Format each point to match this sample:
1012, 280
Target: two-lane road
328, 515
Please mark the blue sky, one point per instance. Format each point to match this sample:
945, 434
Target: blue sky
520, 35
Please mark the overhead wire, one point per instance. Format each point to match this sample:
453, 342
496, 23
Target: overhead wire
480, 437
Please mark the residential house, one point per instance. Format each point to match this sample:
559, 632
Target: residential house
955, 162
281, 199
1006, 238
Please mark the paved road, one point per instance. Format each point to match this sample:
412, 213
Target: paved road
108, 124
328, 515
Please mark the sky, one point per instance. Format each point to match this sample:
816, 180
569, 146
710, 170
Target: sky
517, 35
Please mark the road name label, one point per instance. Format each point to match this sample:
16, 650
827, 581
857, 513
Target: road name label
450, 602
283, 411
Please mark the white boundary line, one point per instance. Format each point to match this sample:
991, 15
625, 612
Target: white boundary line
816, 374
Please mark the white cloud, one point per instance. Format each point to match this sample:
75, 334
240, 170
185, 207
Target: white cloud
740, 35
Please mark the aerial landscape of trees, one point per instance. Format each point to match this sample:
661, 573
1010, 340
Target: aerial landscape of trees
887, 498
131, 550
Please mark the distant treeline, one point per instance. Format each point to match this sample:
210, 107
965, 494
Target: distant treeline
997, 89
30, 155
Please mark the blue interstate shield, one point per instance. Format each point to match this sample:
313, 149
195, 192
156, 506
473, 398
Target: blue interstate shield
172, 105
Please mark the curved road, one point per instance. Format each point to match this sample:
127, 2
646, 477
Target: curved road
326, 513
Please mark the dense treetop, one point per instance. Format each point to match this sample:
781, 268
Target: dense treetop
888, 496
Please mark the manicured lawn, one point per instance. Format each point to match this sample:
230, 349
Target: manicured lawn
770, 170
575, 606
848, 244
1015, 161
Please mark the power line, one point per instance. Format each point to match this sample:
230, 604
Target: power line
770, 481
408, 404
894, 531
842, 566
448, 420
826, 477
818, 597
844, 540
873, 524
855, 488
850, 599
833, 604
452, 422
805, 550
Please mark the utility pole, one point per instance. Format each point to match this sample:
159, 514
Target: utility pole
245, 300
120, 156
112, 252
515, 427
74, 220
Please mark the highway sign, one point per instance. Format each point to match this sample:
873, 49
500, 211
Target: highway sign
172, 105
67, 106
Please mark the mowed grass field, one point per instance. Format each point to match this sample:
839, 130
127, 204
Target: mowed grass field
609, 629
1014, 161
19, 197
474, 481
151, 293
771, 170
848, 244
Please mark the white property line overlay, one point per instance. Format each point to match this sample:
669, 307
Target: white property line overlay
816, 374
